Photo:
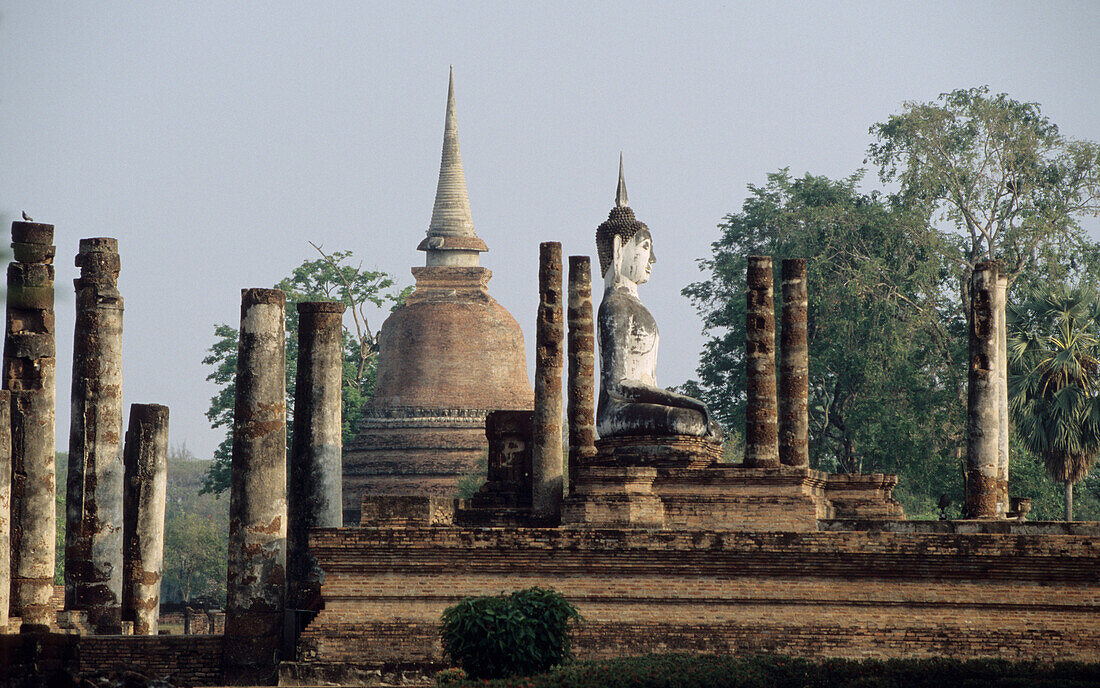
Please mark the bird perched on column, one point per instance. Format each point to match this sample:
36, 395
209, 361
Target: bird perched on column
26, 217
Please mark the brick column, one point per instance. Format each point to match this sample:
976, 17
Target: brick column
256, 580
93, 534
546, 460
29, 373
146, 462
315, 488
5, 507
794, 368
1000, 301
983, 417
761, 436
580, 409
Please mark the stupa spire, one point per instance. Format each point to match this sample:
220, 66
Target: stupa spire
451, 238
451, 214
621, 200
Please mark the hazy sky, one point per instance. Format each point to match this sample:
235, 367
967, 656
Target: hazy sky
214, 140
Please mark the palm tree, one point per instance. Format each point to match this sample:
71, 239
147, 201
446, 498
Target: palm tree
1054, 380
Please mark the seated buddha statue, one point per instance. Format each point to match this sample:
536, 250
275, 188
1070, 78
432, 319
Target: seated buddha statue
630, 402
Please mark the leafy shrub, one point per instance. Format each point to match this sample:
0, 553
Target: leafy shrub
524, 633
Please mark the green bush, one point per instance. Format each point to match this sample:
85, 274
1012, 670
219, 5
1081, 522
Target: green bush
522, 633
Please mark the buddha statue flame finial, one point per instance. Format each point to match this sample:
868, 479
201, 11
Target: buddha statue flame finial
621, 201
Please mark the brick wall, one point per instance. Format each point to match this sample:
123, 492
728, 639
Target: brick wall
840, 594
193, 660
184, 660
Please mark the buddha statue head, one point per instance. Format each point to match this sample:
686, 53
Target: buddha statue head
624, 244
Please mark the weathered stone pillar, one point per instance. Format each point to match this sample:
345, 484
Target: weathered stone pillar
5, 507
315, 488
546, 460
580, 409
256, 580
983, 417
794, 368
29, 373
146, 463
761, 436
1001, 301
93, 503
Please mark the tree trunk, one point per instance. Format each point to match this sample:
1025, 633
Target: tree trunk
1069, 501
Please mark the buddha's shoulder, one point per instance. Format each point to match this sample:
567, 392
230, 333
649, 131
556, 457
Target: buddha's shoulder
619, 304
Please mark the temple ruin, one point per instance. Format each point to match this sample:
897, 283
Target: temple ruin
339, 576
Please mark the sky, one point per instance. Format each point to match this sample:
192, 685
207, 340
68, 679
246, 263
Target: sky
215, 140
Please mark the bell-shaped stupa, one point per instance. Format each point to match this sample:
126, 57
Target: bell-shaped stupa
446, 358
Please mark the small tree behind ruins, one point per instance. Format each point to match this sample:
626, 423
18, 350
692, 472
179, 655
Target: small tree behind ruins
331, 277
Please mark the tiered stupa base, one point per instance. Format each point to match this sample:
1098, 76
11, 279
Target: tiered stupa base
678, 483
412, 451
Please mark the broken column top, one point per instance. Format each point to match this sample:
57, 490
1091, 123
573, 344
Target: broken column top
31, 232
257, 295
99, 245
32, 242
320, 307
98, 259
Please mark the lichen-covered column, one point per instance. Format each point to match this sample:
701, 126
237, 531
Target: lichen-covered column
983, 417
29, 373
5, 507
761, 436
794, 368
93, 504
1001, 301
256, 580
546, 459
580, 409
145, 458
315, 488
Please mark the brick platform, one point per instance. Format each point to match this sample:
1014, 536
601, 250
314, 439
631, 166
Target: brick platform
849, 594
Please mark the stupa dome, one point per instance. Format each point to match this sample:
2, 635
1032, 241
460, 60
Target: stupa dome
452, 345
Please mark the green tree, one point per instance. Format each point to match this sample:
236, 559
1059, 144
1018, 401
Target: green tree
1054, 380
1000, 172
886, 363
196, 534
331, 277
194, 556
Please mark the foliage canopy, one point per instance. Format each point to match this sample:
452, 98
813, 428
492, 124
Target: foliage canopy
998, 170
884, 335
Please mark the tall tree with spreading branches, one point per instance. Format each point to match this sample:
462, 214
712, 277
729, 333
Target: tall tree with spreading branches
1000, 172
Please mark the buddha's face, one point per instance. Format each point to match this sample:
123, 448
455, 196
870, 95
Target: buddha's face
638, 258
